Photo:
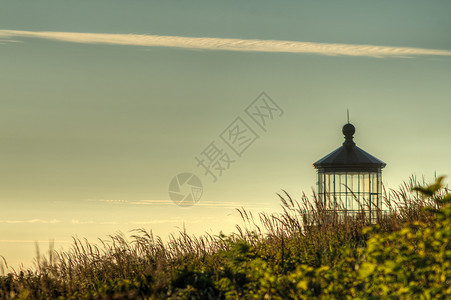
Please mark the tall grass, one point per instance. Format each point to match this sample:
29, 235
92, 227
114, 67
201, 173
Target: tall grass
212, 266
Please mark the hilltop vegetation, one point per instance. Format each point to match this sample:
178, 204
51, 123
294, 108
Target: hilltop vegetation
301, 253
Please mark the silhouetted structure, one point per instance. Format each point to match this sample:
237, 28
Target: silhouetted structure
350, 179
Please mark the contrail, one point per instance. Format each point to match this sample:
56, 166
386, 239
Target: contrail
243, 45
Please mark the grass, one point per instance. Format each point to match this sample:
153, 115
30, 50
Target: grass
301, 253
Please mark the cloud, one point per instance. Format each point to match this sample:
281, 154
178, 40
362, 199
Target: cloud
161, 221
113, 201
3, 42
35, 241
204, 43
201, 203
194, 220
204, 203
75, 221
31, 221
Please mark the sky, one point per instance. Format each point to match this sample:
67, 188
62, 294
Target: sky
104, 103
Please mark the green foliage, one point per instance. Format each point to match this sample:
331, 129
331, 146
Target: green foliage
407, 255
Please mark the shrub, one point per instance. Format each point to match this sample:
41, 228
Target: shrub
283, 256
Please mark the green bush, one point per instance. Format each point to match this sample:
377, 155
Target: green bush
407, 255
